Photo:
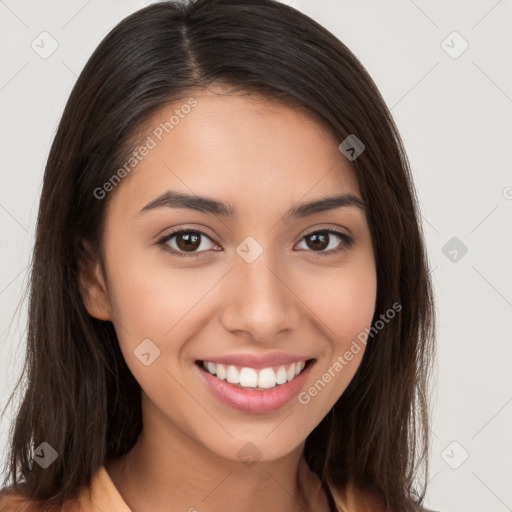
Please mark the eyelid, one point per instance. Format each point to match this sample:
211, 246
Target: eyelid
169, 235
317, 229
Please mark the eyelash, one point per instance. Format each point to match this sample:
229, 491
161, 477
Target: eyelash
347, 242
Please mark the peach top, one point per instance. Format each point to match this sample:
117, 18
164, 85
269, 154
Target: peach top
101, 496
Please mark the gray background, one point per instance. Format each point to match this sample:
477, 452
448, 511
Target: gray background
454, 114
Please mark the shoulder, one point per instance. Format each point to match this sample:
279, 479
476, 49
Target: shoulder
99, 494
354, 498
11, 501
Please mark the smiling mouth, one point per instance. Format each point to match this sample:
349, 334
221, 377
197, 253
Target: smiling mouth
261, 379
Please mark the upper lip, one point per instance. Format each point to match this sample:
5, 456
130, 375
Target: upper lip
256, 361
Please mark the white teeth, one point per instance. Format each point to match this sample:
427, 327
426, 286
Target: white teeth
291, 372
281, 377
232, 375
221, 372
248, 378
265, 378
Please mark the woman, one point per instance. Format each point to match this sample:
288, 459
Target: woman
230, 303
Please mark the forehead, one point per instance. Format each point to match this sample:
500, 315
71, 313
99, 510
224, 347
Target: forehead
246, 150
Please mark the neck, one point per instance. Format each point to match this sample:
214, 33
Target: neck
168, 470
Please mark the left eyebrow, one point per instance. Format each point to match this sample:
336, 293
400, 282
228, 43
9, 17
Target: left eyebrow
173, 199
324, 204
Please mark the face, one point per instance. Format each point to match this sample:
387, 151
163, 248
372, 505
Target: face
248, 285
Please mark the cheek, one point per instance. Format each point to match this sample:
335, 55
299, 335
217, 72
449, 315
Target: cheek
352, 311
149, 297
342, 299
153, 309
345, 314
344, 305
153, 301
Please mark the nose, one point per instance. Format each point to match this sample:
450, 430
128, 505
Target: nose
260, 301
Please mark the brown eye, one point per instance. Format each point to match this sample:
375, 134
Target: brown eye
187, 241
319, 241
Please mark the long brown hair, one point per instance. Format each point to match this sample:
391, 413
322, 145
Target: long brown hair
80, 396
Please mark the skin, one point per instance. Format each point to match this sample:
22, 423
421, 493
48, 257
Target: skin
263, 158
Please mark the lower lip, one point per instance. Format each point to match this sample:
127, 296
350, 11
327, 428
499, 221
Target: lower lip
251, 400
